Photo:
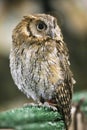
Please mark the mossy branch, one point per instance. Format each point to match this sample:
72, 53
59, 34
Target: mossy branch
32, 118
38, 117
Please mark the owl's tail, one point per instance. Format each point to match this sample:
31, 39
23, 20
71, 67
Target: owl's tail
67, 116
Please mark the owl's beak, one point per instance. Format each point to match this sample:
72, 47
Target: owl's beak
52, 34
55, 34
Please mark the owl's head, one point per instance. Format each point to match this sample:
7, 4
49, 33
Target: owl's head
39, 26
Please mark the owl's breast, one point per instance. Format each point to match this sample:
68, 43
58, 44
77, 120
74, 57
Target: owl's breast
45, 62
37, 71
46, 70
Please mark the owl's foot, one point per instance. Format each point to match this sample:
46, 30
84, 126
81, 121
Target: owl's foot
39, 104
46, 104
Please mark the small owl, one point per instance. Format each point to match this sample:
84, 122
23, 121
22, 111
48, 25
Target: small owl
39, 62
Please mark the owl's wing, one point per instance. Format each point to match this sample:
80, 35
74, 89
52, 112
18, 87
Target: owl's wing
65, 89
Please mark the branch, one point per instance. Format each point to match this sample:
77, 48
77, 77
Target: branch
32, 118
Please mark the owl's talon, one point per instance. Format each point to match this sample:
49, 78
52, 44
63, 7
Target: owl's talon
46, 104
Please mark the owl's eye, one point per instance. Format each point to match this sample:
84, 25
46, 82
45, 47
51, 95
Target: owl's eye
41, 26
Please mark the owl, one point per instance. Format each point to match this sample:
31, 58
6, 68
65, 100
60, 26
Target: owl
39, 63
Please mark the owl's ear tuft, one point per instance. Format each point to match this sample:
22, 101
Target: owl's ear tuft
25, 17
29, 17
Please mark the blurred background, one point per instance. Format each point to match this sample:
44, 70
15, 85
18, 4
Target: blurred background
72, 18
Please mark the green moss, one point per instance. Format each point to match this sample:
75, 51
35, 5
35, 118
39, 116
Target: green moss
38, 117
31, 118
